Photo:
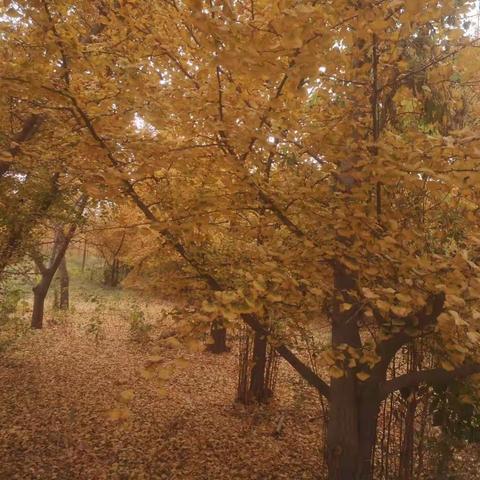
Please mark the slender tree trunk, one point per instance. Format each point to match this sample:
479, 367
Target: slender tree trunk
219, 336
258, 389
39, 294
64, 285
40, 291
114, 281
407, 449
84, 256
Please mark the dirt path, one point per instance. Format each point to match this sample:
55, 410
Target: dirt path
58, 384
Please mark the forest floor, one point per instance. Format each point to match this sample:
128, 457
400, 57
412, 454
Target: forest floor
58, 385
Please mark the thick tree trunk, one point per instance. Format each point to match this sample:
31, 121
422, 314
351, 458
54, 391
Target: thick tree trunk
353, 405
351, 432
64, 285
343, 442
219, 336
258, 388
368, 418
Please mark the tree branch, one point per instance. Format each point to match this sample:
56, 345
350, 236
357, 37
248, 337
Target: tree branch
422, 320
430, 377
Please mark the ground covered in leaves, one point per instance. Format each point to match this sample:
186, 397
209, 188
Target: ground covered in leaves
58, 387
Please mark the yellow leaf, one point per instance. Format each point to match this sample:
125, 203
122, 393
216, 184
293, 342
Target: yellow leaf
458, 320
273, 298
362, 376
181, 362
403, 297
383, 306
126, 395
193, 345
345, 306
164, 373
367, 293
173, 342
146, 374
154, 358
162, 392
400, 311
446, 365
336, 372
119, 413
474, 337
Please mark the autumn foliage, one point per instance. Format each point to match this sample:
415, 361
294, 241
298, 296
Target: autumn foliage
304, 168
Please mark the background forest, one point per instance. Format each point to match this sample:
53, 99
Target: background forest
239, 239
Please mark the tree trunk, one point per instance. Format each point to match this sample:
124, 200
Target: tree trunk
258, 389
353, 405
407, 449
219, 336
84, 256
64, 285
343, 442
39, 294
351, 431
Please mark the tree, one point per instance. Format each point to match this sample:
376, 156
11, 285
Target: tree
61, 242
365, 116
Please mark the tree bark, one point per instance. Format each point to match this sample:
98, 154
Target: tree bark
64, 285
61, 244
84, 255
353, 405
258, 389
39, 294
351, 430
407, 448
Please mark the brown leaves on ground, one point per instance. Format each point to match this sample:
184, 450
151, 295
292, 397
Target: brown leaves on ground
57, 387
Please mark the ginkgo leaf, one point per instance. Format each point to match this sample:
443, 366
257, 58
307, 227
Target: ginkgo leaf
127, 395
164, 373
400, 311
369, 294
173, 342
161, 392
345, 306
193, 345
473, 336
118, 413
458, 320
154, 358
336, 372
146, 373
446, 365
181, 362
362, 376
